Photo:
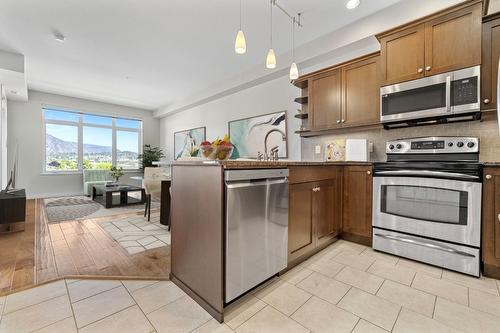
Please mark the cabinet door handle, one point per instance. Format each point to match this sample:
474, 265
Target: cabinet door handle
338, 121
498, 217
368, 172
488, 177
420, 70
428, 68
343, 120
486, 101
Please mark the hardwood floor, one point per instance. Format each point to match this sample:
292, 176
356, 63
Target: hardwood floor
72, 249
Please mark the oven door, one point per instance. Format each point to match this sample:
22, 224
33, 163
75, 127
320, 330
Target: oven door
436, 208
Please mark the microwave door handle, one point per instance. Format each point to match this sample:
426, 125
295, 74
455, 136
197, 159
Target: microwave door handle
448, 93
426, 173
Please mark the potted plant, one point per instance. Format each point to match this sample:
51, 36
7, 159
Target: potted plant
116, 173
149, 155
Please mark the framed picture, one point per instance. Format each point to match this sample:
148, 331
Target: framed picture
187, 142
248, 135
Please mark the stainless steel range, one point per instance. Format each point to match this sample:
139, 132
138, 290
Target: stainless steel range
427, 202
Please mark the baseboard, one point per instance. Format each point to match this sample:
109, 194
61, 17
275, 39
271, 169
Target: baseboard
491, 271
363, 240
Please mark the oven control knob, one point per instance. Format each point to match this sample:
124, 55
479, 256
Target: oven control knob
450, 144
460, 144
391, 147
470, 144
399, 146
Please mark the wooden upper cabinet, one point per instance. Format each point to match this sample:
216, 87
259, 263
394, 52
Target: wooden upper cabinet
443, 42
402, 55
325, 100
453, 41
491, 222
490, 63
327, 207
361, 93
357, 204
301, 239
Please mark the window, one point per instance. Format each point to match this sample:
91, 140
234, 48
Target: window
76, 141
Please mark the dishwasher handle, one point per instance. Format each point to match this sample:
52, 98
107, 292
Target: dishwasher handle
254, 183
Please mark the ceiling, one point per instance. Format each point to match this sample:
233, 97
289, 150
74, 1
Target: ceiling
151, 53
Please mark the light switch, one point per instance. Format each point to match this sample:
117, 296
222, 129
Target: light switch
317, 149
370, 147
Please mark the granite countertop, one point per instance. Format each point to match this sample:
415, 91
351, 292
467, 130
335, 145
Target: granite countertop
254, 164
491, 163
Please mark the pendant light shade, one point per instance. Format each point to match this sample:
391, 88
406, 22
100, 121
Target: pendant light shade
271, 59
294, 71
240, 44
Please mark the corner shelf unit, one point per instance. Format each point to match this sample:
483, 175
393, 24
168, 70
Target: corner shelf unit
303, 100
301, 115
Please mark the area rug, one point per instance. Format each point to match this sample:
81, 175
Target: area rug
135, 233
81, 207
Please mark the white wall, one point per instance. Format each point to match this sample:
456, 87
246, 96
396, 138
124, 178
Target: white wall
272, 96
26, 129
273, 92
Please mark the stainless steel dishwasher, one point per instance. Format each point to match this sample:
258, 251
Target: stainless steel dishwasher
256, 237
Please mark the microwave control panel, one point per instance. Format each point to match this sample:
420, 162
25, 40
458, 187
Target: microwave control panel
464, 91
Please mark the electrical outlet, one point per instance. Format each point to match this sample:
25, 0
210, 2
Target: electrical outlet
317, 149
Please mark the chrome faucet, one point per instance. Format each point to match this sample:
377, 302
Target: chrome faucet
283, 136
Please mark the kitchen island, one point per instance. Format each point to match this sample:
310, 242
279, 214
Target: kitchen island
315, 215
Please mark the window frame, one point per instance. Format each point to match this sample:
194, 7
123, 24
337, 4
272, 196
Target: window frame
80, 124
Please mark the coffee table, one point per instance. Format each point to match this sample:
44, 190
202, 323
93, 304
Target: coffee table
123, 190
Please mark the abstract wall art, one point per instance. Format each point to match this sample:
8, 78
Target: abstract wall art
187, 142
247, 135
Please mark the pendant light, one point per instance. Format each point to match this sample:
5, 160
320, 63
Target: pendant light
271, 57
240, 44
294, 71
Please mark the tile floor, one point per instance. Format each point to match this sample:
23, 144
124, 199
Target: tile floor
136, 234
344, 288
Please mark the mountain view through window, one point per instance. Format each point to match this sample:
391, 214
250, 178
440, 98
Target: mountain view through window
76, 141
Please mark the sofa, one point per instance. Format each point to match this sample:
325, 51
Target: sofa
95, 177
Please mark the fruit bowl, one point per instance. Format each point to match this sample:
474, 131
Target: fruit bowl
220, 152
224, 152
209, 151
218, 149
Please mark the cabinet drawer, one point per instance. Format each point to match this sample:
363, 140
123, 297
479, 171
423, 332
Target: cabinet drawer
303, 174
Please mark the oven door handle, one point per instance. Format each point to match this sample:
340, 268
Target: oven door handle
424, 173
426, 244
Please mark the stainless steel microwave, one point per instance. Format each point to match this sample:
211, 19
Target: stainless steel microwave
445, 95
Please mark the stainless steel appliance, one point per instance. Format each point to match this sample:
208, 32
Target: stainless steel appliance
256, 235
427, 202
442, 95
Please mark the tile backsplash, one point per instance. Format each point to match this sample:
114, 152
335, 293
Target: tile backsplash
486, 130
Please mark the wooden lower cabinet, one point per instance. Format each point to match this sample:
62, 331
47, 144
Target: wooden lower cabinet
314, 209
301, 237
491, 223
326, 209
357, 204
